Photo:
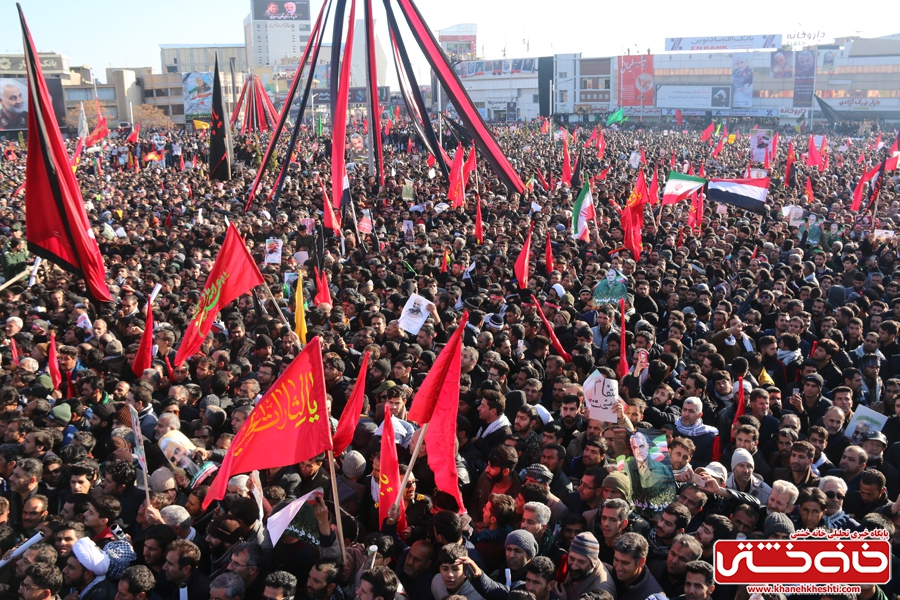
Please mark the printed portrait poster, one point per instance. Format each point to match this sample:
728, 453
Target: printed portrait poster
290, 284
804, 78
781, 65
741, 80
760, 141
883, 235
864, 421
415, 313
409, 232
359, 148
179, 451
273, 251
646, 460
797, 216
601, 395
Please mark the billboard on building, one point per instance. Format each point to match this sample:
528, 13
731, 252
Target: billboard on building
264, 10
693, 96
741, 80
781, 64
197, 95
636, 80
726, 42
805, 78
511, 111
14, 102
458, 44
513, 66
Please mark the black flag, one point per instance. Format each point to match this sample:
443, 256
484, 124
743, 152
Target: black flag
220, 150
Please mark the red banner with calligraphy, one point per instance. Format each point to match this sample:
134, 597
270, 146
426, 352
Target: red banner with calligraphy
233, 274
289, 425
636, 81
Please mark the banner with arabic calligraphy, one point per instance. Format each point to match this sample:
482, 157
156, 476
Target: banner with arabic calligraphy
636, 80
289, 425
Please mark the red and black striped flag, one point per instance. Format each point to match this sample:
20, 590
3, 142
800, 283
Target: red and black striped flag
56, 224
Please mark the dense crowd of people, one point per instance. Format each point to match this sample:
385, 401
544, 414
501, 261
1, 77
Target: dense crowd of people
751, 341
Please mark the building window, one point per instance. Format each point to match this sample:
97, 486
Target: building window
590, 83
562, 74
535, 98
171, 69
563, 96
175, 60
148, 93
177, 109
162, 92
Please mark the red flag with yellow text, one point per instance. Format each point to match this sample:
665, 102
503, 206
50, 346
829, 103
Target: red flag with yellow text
389, 479
233, 274
289, 424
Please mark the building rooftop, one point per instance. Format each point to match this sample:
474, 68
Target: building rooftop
170, 46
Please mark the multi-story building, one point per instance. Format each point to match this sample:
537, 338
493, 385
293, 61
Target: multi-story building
200, 58
276, 30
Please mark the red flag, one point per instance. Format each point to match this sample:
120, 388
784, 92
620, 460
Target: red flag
643, 158
672, 161
365, 126
678, 118
809, 190
861, 159
288, 425
233, 274
409, 146
169, 220
181, 162
557, 345
707, 133
397, 112
775, 145
524, 261
346, 426
144, 357
894, 147
680, 241
331, 220
323, 290
545, 126
389, 480
812, 350
622, 369
878, 143
55, 219
789, 164
858, 192
548, 254
169, 368
456, 193
445, 156
99, 132
19, 189
445, 261
133, 137
387, 127
755, 126
437, 403
715, 153
740, 409
603, 174
601, 145
479, 225
755, 250
813, 157
766, 163
695, 217
841, 160
430, 160
542, 180
654, 187
53, 362
567, 165
339, 126
470, 166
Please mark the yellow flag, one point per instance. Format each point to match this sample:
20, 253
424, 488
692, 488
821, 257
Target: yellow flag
300, 312
200, 125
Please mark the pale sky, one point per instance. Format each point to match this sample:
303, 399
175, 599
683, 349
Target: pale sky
103, 33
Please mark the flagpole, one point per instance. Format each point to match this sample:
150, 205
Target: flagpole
280, 314
412, 463
337, 506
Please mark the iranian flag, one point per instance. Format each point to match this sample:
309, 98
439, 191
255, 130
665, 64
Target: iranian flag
584, 214
680, 186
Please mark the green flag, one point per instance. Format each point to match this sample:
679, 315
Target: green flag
616, 117
718, 129
318, 124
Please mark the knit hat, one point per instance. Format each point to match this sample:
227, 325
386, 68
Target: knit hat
90, 556
209, 400
741, 456
539, 473
104, 412
263, 341
618, 480
585, 544
113, 348
123, 414
224, 528
383, 365
162, 480
354, 464
61, 414
524, 540
777, 523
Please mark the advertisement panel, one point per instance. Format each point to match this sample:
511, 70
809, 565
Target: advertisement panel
781, 64
636, 80
510, 111
728, 42
197, 95
14, 102
805, 78
264, 10
741, 80
693, 96
458, 44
